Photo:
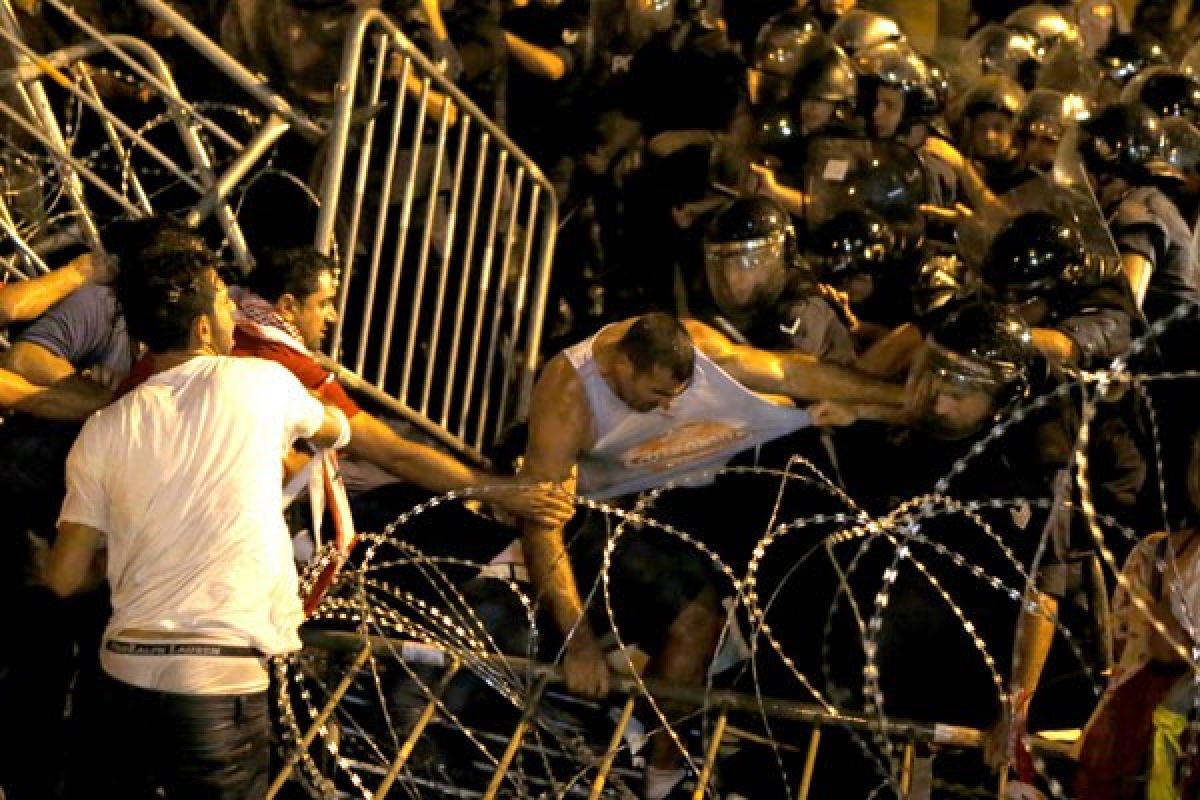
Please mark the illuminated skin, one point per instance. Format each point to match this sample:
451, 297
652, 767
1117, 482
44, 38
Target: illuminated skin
221, 317
958, 411
991, 135
655, 388
838, 7
1039, 150
316, 312
814, 115
889, 110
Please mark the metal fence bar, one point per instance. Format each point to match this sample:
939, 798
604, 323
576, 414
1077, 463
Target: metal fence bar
710, 756
518, 312
461, 304
360, 194
110, 131
108, 119
381, 227
418, 297
501, 285
464, 131
724, 701
410, 742
614, 745
459, 331
252, 84
402, 232
514, 744
810, 763
168, 93
485, 284
334, 698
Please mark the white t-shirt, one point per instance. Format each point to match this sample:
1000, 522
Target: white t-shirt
184, 477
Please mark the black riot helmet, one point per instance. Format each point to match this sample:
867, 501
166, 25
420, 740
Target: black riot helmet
973, 369
1035, 255
859, 29
1166, 92
992, 93
1182, 140
897, 65
784, 45
943, 283
1048, 25
1127, 54
748, 247
1125, 140
826, 73
776, 132
997, 50
828, 77
852, 242
1046, 112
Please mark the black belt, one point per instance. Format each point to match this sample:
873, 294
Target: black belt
180, 649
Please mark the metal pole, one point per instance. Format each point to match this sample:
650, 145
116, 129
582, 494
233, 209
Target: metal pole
810, 763
514, 744
318, 722
614, 744
710, 757
406, 749
254, 85
906, 768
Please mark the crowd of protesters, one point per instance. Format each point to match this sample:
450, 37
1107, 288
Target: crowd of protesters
789, 228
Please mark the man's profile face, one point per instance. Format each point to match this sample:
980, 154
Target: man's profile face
317, 310
646, 390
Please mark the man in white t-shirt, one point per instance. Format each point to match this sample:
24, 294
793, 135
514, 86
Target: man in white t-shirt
179, 484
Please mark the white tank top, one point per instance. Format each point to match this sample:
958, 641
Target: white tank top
713, 420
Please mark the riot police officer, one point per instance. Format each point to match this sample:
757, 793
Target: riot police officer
1123, 150
760, 291
1037, 264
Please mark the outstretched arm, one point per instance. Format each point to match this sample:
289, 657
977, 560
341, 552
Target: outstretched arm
794, 374
21, 301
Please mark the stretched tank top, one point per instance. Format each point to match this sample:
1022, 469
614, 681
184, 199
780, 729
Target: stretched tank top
714, 419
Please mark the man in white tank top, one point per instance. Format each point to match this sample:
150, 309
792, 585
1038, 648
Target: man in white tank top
175, 491
647, 401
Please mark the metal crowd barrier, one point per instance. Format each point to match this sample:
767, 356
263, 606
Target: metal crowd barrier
721, 704
191, 161
445, 231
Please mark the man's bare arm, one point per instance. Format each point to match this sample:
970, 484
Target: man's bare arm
69, 400
559, 428
73, 564
535, 59
794, 374
21, 301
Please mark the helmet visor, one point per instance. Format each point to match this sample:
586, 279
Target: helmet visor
746, 275
951, 396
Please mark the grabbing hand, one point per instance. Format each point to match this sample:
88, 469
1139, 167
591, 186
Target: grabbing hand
585, 667
829, 414
546, 503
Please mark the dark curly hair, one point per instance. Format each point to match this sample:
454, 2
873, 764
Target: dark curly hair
164, 294
288, 270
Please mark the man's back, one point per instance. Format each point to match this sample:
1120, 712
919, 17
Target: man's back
184, 476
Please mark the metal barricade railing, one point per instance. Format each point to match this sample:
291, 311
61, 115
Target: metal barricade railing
445, 231
205, 158
719, 704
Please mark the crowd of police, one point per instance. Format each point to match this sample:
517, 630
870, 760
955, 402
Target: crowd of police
984, 221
